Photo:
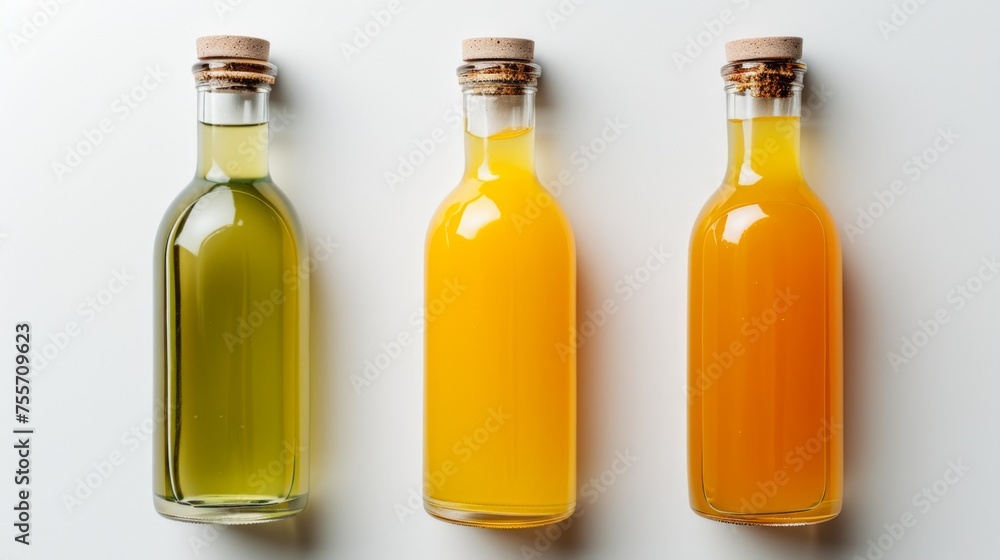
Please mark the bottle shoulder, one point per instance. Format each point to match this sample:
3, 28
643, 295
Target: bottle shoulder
204, 204
514, 204
729, 198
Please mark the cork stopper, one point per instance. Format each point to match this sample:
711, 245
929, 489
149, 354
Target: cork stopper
232, 46
764, 48
498, 48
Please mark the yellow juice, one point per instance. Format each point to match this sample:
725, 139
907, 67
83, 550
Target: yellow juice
765, 339
500, 388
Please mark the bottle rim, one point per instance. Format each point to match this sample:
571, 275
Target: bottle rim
236, 74
769, 78
499, 76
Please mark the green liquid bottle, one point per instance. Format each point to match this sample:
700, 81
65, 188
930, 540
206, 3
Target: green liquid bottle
231, 314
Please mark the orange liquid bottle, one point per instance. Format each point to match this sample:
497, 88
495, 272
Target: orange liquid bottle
500, 385
765, 372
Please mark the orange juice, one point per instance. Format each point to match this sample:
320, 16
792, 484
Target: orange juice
765, 335
500, 395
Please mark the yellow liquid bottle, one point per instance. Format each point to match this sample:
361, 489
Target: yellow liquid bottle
765, 380
231, 312
500, 385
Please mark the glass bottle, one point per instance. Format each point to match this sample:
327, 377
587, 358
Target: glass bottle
500, 385
231, 313
765, 372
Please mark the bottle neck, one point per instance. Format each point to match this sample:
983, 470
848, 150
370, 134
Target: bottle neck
763, 105
232, 135
763, 138
499, 134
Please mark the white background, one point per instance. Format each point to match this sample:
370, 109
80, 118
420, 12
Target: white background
62, 238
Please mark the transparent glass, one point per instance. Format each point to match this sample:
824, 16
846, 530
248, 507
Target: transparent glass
231, 329
765, 348
500, 370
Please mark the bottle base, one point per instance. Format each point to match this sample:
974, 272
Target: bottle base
497, 517
229, 510
820, 514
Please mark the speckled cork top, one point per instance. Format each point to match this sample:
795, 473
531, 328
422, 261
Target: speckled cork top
764, 48
498, 48
233, 46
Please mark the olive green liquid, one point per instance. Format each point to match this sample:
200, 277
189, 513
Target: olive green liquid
232, 319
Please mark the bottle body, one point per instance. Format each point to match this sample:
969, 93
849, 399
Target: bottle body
500, 385
231, 340
765, 396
